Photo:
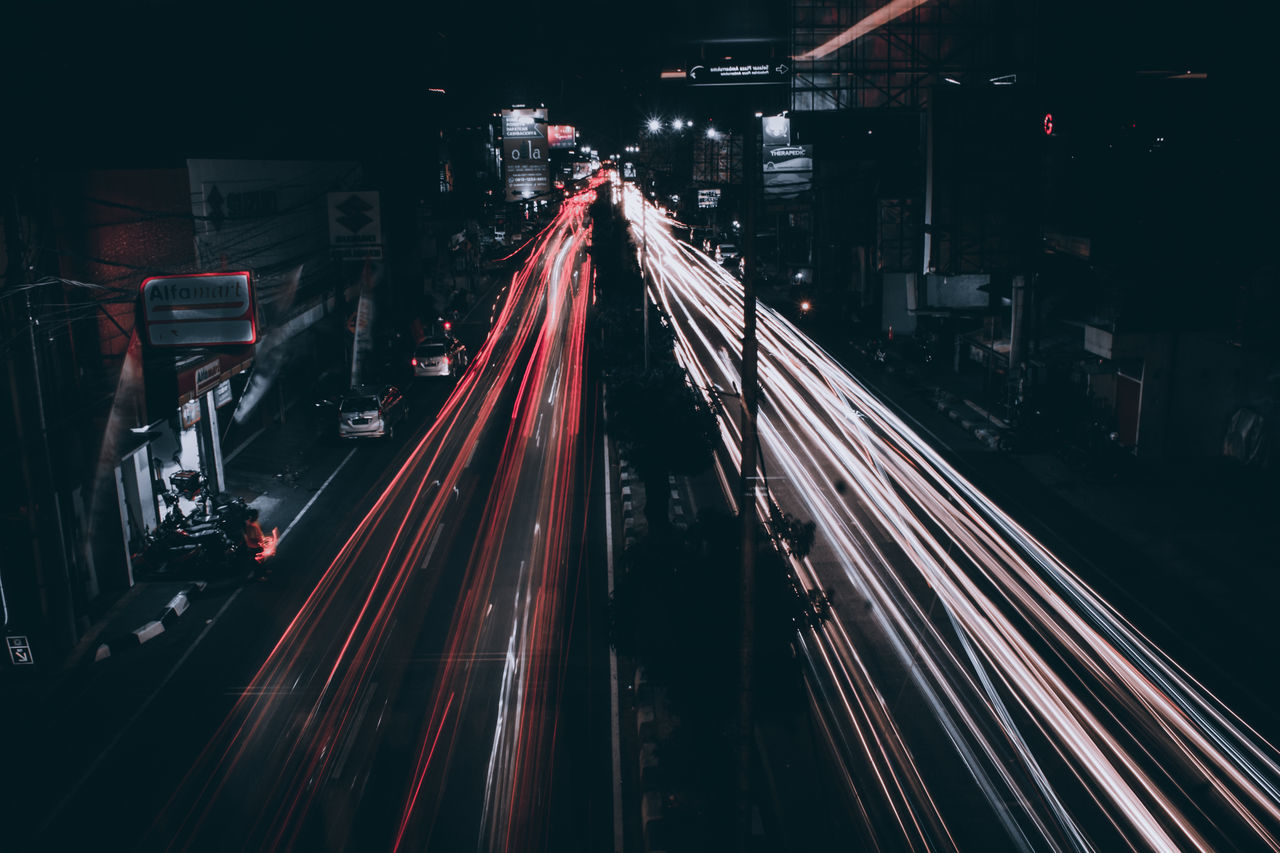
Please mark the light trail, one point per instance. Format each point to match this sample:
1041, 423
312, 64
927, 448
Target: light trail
298, 728
958, 646
874, 21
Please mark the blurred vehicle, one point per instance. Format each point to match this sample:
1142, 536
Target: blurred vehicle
727, 252
371, 412
444, 356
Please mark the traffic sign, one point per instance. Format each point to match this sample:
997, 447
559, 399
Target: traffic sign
19, 650
199, 309
733, 72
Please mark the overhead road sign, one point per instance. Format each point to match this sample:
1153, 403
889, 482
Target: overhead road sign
199, 310
733, 72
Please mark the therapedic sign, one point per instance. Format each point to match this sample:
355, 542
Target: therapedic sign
199, 310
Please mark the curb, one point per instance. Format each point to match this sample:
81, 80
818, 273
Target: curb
653, 829
148, 631
629, 484
963, 414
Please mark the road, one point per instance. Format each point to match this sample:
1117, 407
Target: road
974, 691
421, 687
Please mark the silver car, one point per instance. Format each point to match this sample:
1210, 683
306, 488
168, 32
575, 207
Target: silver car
371, 412
439, 357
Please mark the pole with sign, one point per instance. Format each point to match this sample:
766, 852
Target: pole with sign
735, 73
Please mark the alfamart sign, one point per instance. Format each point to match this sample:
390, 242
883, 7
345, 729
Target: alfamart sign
199, 310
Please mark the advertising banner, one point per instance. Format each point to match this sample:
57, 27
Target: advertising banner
788, 171
355, 226
775, 130
524, 153
561, 135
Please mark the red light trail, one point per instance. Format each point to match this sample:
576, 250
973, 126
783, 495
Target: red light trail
299, 733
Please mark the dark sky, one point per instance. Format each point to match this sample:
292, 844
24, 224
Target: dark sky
138, 78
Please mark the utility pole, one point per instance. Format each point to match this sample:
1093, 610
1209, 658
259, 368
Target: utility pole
644, 271
747, 494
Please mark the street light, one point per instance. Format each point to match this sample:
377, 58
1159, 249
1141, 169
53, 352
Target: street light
655, 124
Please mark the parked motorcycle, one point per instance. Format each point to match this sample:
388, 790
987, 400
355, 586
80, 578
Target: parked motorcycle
207, 540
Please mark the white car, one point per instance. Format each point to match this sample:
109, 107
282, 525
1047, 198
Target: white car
439, 357
371, 412
727, 252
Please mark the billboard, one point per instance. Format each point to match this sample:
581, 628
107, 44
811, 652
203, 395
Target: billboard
788, 171
199, 309
775, 130
561, 135
355, 226
524, 152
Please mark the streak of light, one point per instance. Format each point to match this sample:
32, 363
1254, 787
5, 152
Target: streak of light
305, 701
955, 633
872, 22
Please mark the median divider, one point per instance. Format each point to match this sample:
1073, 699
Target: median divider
165, 619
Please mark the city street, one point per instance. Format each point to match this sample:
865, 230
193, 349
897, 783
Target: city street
396, 680
953, 633
725, 426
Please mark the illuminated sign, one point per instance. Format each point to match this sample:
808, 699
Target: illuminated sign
709, 198
197, 310
775, 130
1048, 124
561, 135
524, 153
788, 170
732, 72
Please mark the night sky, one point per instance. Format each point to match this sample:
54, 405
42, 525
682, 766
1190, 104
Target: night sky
137, 80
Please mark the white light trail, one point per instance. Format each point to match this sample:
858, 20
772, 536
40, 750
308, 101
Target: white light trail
955, 634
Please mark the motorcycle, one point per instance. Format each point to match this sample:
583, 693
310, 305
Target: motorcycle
208, 539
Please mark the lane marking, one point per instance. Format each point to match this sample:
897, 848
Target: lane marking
109, 748
615, 744
435, 539
354, 731
319, 491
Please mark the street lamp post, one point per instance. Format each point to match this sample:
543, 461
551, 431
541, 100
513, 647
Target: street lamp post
747, 494
644, 273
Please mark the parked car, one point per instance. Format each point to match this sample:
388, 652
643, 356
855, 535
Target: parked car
371, 412
443, 356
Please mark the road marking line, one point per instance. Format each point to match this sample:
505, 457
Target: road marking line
435, 539
615, 745
93, 768
354, 731
325, 485
243, 445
